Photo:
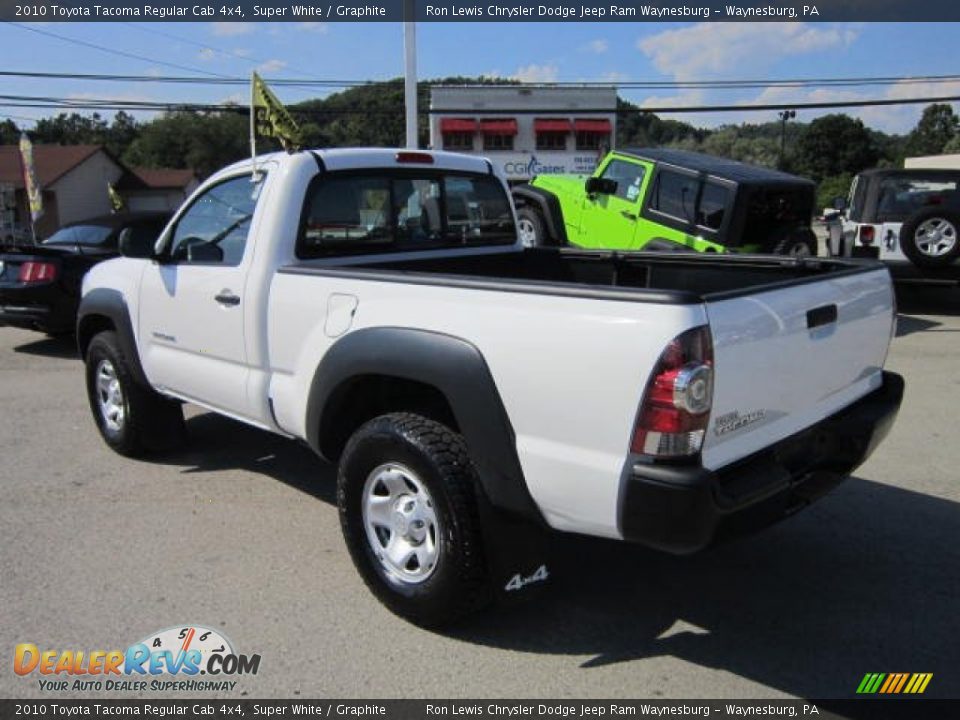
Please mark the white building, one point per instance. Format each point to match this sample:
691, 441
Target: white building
929, 162
526, 130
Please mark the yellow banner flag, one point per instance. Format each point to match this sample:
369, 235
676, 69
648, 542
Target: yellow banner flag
271, 117
34, 193
117, 203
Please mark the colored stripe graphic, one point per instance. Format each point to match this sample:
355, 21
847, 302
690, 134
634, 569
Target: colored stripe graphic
894, 683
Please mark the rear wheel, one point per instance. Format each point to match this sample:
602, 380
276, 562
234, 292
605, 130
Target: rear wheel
531, 228
796, 242
929, 238
406, 494
131, 418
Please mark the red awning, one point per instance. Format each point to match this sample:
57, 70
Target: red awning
597, 126
552, 125
506, 126
458, 125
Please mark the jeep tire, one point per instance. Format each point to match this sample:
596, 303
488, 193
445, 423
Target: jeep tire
531, 228
406, 492
797, 242
929, 237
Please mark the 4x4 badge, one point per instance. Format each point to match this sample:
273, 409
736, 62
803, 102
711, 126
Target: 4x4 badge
734, 421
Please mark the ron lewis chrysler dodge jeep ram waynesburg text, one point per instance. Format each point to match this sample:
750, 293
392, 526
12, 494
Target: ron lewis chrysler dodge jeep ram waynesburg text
379, 306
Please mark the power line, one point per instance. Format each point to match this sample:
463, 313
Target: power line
112, 51
111, 104
651, 84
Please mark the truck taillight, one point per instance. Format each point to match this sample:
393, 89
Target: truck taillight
405, 156
34, 272
677, 400
867, 234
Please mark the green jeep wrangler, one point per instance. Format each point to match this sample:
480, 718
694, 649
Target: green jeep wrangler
670, 200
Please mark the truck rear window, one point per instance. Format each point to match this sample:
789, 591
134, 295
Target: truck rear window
351, 213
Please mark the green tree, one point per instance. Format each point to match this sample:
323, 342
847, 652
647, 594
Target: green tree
9, 132
937, 127
834, 145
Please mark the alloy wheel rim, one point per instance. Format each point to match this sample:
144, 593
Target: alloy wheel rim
400, 521
528, 236
110, 396
935, 237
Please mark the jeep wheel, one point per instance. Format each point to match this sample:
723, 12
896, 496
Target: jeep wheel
929, 237
796, 242
530, 228
131, 418
406, 494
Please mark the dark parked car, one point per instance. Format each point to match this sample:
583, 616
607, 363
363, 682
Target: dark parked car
40, 284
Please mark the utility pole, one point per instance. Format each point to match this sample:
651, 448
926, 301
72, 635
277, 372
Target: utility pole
410, 71
784, 116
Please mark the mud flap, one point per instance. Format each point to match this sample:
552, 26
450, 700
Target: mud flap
518, 553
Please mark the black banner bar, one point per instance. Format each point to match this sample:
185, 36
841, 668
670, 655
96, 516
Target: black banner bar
482, 11
214, 709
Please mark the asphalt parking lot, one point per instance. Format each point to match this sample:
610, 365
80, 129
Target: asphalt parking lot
239, 531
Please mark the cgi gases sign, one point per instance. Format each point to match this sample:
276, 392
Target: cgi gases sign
526, 165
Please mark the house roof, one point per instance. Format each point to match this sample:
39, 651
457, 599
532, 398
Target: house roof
164, 178
51, 162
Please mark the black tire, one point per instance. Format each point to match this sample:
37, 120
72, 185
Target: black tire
530, 221
949, 226
148, 420
457, 583
798, 242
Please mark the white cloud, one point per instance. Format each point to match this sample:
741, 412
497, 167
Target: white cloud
709, 50
614, 76
537, 73
242, 52
598, 46
206, 54
315, 27
230, 29
272, 66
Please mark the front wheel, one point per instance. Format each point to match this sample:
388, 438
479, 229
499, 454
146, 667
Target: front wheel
131, 418
406, 495
531, 228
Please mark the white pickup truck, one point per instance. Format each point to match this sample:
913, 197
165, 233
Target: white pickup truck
378, 305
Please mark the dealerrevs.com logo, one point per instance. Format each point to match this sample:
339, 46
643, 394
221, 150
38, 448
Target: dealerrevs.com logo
170, 660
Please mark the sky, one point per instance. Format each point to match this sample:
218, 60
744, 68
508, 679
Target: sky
546, 52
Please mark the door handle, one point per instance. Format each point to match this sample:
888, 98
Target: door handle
226, 297
628, 215
824, 315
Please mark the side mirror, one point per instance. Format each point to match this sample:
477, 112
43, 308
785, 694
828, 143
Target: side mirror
600, 186
202, 251
840, 203
135, 247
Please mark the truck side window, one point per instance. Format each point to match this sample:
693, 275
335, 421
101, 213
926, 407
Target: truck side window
214, 228
714, 201
628, 177
675, 195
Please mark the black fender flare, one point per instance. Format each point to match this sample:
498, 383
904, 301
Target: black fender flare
548, 206
110, 304
454, 367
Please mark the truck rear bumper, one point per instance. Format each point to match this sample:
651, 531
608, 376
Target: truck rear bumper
684, 508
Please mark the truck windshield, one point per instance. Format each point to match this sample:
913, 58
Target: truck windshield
361, 213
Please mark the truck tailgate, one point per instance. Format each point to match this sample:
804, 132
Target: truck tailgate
789, 357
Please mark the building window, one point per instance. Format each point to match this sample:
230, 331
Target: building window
551, 140
588, 140
497, 141
498, 133
458, 141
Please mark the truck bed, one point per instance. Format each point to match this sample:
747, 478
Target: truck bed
647, 277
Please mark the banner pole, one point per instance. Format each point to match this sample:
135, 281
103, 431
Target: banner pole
253, 134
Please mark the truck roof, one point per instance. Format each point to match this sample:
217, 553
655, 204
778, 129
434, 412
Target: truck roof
360, 158
738, 172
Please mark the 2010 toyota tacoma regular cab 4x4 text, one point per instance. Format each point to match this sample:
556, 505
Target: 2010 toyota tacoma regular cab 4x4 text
378, 305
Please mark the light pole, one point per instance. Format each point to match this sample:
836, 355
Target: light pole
410, 71
784, 116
